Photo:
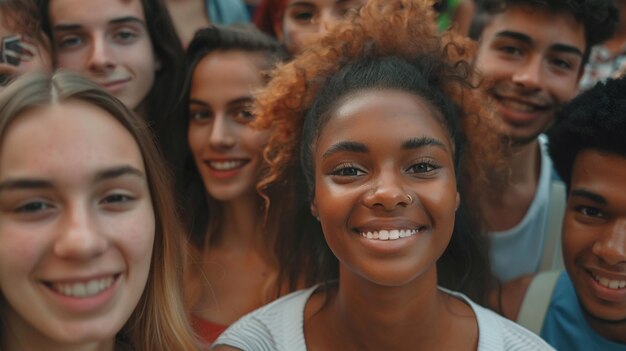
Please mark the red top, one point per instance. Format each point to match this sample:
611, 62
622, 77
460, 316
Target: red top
207, 331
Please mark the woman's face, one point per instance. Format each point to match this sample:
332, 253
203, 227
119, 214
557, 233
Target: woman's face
385, 188
76, 227
107, 42
227, 152
305, 21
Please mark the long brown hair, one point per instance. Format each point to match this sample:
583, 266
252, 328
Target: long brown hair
159, 320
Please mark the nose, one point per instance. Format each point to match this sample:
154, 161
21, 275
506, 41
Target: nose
529, 76
78, 237
100, 59
328, 20
611, 247
221, 137
388, 193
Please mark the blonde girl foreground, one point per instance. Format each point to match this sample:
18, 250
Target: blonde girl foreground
90, 249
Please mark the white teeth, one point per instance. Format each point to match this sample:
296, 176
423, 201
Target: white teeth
383, 235
520, 106
392, 234
226, 165
87, 289
609, 283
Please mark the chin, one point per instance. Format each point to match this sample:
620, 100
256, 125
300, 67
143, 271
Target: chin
605, 314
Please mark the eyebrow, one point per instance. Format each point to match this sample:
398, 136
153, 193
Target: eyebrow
417, 143
197, 102
564, 48
589, 195
241, 100
117, 172
237, 101
515, 35
567, 49
300, 3
342, 146
23, 184
116, 21
33, 183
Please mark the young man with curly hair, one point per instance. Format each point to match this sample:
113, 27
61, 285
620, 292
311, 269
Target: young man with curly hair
584, 308
531, 54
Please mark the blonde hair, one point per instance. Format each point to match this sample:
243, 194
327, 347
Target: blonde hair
159, 321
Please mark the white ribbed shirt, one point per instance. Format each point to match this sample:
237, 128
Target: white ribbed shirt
279, 326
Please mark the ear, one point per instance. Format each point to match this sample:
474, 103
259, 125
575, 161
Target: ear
458, 201
314, 211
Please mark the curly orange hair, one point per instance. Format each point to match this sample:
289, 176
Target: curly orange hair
401, 28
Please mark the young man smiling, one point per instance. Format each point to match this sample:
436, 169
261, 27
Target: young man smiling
587, 307
531, 54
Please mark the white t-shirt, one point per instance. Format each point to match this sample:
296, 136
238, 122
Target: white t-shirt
518, 251
279, 326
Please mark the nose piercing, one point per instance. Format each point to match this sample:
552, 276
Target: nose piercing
410, 198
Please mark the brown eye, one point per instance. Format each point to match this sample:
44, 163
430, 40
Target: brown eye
423, 167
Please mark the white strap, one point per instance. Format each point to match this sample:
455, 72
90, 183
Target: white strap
536, 301
552, 257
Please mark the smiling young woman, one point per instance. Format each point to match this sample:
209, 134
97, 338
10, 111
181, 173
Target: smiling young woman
235, 236
381, 128
90, 244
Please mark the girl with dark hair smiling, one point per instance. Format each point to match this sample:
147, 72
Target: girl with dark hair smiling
237, 238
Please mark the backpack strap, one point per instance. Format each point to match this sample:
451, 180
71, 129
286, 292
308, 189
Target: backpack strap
552, 257
537, 300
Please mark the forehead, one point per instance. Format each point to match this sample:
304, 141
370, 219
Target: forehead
223, 72
319, 3
541, 25
367, 116
93, 12
65, 139
221, 77
602, 173
324, 3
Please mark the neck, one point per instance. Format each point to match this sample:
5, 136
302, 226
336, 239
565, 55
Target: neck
242, 223
21, 341
525, 163
614, 331
387, 315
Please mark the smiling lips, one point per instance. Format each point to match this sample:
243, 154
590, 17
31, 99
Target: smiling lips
609, 283
226, 165
393, 234
115, 85
83, 289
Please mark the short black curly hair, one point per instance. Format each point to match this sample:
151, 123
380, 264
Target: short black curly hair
596, 120
599, 17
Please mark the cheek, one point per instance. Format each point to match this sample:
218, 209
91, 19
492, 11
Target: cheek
578, 239
564, 88
136, 235
75, 60
197, 139
22, 246
296, 37
253, 141
440, 199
